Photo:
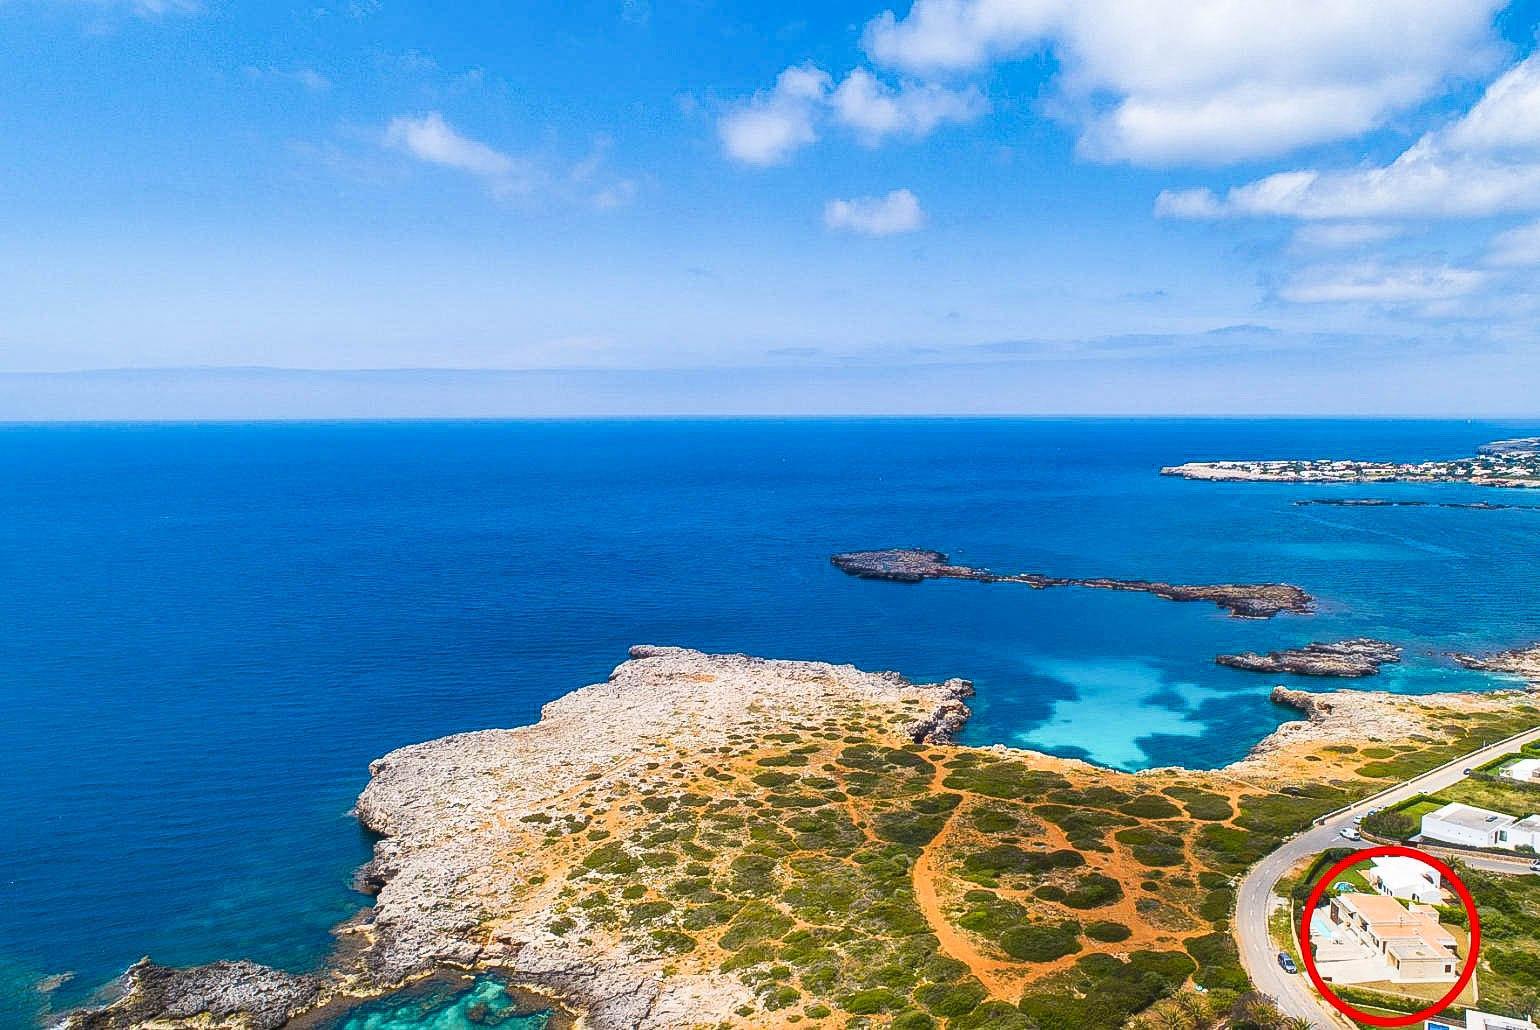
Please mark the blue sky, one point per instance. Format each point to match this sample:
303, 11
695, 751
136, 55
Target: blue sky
991, 205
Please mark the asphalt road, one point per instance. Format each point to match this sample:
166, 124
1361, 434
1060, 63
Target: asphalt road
1295, 994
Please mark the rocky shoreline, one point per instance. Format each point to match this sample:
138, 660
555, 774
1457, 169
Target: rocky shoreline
1503, 463
1358, 657
471, 825
1521, 661
914, 565
455, 815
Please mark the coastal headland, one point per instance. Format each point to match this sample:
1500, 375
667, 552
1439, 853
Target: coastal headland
1503, 463
744, 842
914, 565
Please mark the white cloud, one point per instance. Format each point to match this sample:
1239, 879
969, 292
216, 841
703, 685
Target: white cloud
1486, 162
1342, 235
897, 212
876, 110
773, 124
1211, 81
430, 138
770, 126
1516, 248
1375, 283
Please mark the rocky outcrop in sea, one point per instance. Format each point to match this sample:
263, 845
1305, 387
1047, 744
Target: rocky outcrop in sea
914, 565
1361, 656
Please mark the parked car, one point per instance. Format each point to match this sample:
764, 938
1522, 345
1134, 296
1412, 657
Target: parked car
1467, 772
1287, 963
1534, 867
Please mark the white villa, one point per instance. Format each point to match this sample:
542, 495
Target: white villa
1525, 770
1479, 828
1367, 938
1406, 878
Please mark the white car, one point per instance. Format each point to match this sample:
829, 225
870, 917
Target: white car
1348, 833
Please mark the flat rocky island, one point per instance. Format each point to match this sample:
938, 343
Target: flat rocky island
913, 565
1511, 463
1360, 656
727, 841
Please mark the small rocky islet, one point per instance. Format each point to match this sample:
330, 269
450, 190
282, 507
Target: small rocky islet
1360, 656
915, 565
1384, 502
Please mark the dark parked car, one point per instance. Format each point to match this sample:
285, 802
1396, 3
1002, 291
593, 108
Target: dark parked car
1287, 963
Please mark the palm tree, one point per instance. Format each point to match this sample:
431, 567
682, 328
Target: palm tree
1298, 1023
1195, 1006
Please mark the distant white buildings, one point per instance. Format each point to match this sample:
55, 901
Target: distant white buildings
1525, 770
1406, 878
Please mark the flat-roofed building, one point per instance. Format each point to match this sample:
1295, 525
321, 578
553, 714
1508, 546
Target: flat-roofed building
1411, 945
1525, 833
1406, 878
1525, 770
1456, 823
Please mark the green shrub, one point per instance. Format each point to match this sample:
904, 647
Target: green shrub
1108, 932
1040, 942
1150, 806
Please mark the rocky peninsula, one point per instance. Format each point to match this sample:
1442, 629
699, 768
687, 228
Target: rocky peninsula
1504, 463
1522, 661
1360, 656
739, 842
914, 565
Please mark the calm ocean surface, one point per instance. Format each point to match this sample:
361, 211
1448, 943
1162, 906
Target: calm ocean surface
209, 631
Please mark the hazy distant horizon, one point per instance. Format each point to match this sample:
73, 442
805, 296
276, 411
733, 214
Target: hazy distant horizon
996, 389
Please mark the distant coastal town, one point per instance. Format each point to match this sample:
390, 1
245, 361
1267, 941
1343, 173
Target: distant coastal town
1509, 463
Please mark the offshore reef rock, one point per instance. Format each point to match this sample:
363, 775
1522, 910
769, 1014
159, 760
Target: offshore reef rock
913, 565
1360, 656
227, 993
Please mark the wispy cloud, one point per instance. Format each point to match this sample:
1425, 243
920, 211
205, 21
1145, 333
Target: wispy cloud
1344, 235
772, 125
431, 139
897, 212
1374, 283
309, 78
876, 110
1485, 162
1516, 248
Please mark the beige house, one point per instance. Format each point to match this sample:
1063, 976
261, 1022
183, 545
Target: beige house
1370, 937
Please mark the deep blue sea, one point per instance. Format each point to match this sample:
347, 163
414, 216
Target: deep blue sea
210, 630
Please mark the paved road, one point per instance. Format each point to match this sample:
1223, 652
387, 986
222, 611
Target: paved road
1295, 995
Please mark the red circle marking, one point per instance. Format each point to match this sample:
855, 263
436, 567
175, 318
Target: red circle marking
1470, 959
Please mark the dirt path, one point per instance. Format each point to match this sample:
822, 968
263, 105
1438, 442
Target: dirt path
1003, 980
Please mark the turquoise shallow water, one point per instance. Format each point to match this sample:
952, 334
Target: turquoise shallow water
210, 630
436, 1006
